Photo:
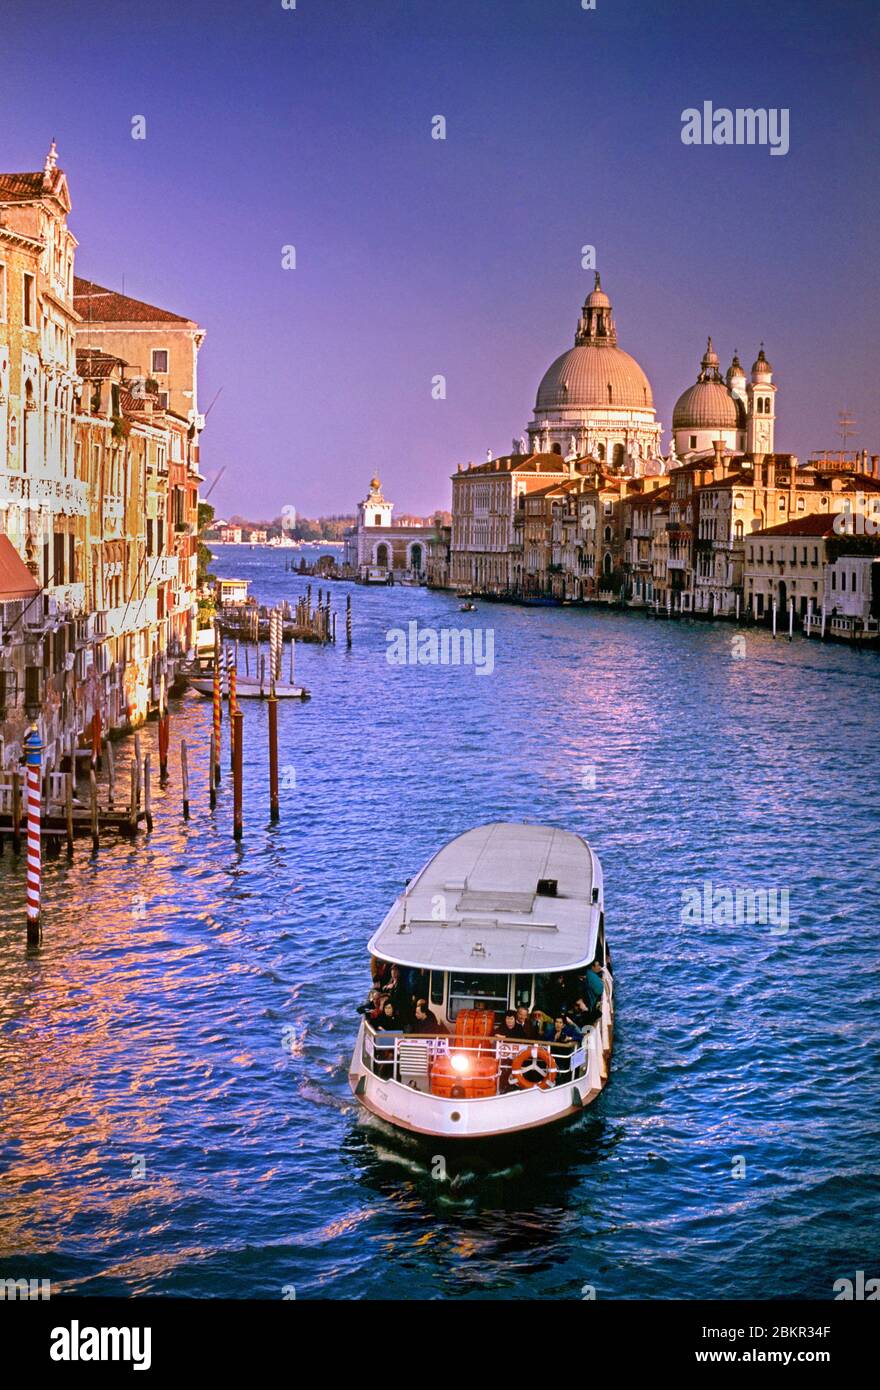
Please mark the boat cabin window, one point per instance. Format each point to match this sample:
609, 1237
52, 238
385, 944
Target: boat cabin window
477, 992
522, 991
437, 979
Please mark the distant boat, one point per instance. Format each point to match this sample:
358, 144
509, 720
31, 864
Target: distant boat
249, 688
467, 607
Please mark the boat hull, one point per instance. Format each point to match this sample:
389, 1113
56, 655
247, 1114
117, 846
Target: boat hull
252, 691
492, 1117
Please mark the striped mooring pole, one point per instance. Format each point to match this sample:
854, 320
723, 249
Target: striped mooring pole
33, 757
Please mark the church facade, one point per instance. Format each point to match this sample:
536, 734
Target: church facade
377, 550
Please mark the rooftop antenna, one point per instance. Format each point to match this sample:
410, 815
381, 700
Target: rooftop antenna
846, 424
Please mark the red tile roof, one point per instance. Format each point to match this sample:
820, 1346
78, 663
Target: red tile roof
16, 580
20, 188
820, 524
100, 305
93, 364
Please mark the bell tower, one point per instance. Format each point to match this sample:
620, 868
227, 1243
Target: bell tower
761, 422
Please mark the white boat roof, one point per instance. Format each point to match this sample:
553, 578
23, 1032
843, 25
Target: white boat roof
475, 905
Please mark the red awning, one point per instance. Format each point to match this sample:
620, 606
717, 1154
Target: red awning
16, 580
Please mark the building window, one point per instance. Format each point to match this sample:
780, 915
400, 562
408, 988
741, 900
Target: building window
693, 443
29, 302
160, 360
2, 293
801, 504
163, 400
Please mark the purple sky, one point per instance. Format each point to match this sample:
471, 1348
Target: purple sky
311, 127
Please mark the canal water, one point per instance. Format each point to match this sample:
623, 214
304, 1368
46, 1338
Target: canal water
175, 1111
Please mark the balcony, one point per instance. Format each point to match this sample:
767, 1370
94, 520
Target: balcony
164, 567
66, 496
112, 513
70, 598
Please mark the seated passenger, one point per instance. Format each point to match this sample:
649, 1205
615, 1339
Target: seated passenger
537, 1025
511, 1027
388, 1021
562, 1030
373, 1006
583, 1013
425, 1021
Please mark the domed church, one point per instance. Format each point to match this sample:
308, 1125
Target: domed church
742, 415
595, 399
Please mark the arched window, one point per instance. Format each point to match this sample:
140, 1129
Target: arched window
377, 520
557, 449
737, 530
415, 557
609, 393
607, 563
760, 405
382, 556
600, 452
608, 533
618, 455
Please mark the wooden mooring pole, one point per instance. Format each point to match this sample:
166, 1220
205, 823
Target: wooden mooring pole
237, 739
213, 775
273, 757
215, 738
68, 810
16, 811
148, 793
135, 798
233, 705
93, 808
348, 620
184, 778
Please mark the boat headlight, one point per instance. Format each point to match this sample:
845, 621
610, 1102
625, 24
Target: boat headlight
459, 1063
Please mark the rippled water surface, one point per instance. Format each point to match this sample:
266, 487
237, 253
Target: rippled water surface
175, 1110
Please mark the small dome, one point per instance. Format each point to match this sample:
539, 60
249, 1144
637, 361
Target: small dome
375, 484
581, 378
735, 368
707, 405
761, 366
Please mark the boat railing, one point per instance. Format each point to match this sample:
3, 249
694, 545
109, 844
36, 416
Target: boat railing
412, 1060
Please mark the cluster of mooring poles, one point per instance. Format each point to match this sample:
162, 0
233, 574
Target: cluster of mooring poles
45, 810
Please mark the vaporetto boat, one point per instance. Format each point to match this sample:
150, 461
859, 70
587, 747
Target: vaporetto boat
505, 917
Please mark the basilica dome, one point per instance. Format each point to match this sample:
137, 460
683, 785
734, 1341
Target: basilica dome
708, 405
595, 372
592, 375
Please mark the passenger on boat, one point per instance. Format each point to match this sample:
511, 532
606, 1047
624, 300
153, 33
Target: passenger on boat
562, 1030
522, 1019
388, 1021
511, 1027
373, 1006
425, 1021
583, 1013
536, 1027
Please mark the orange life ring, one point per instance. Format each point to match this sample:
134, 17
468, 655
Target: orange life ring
534, 1066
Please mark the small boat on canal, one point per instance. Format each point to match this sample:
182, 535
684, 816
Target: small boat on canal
250, 688
496, 962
